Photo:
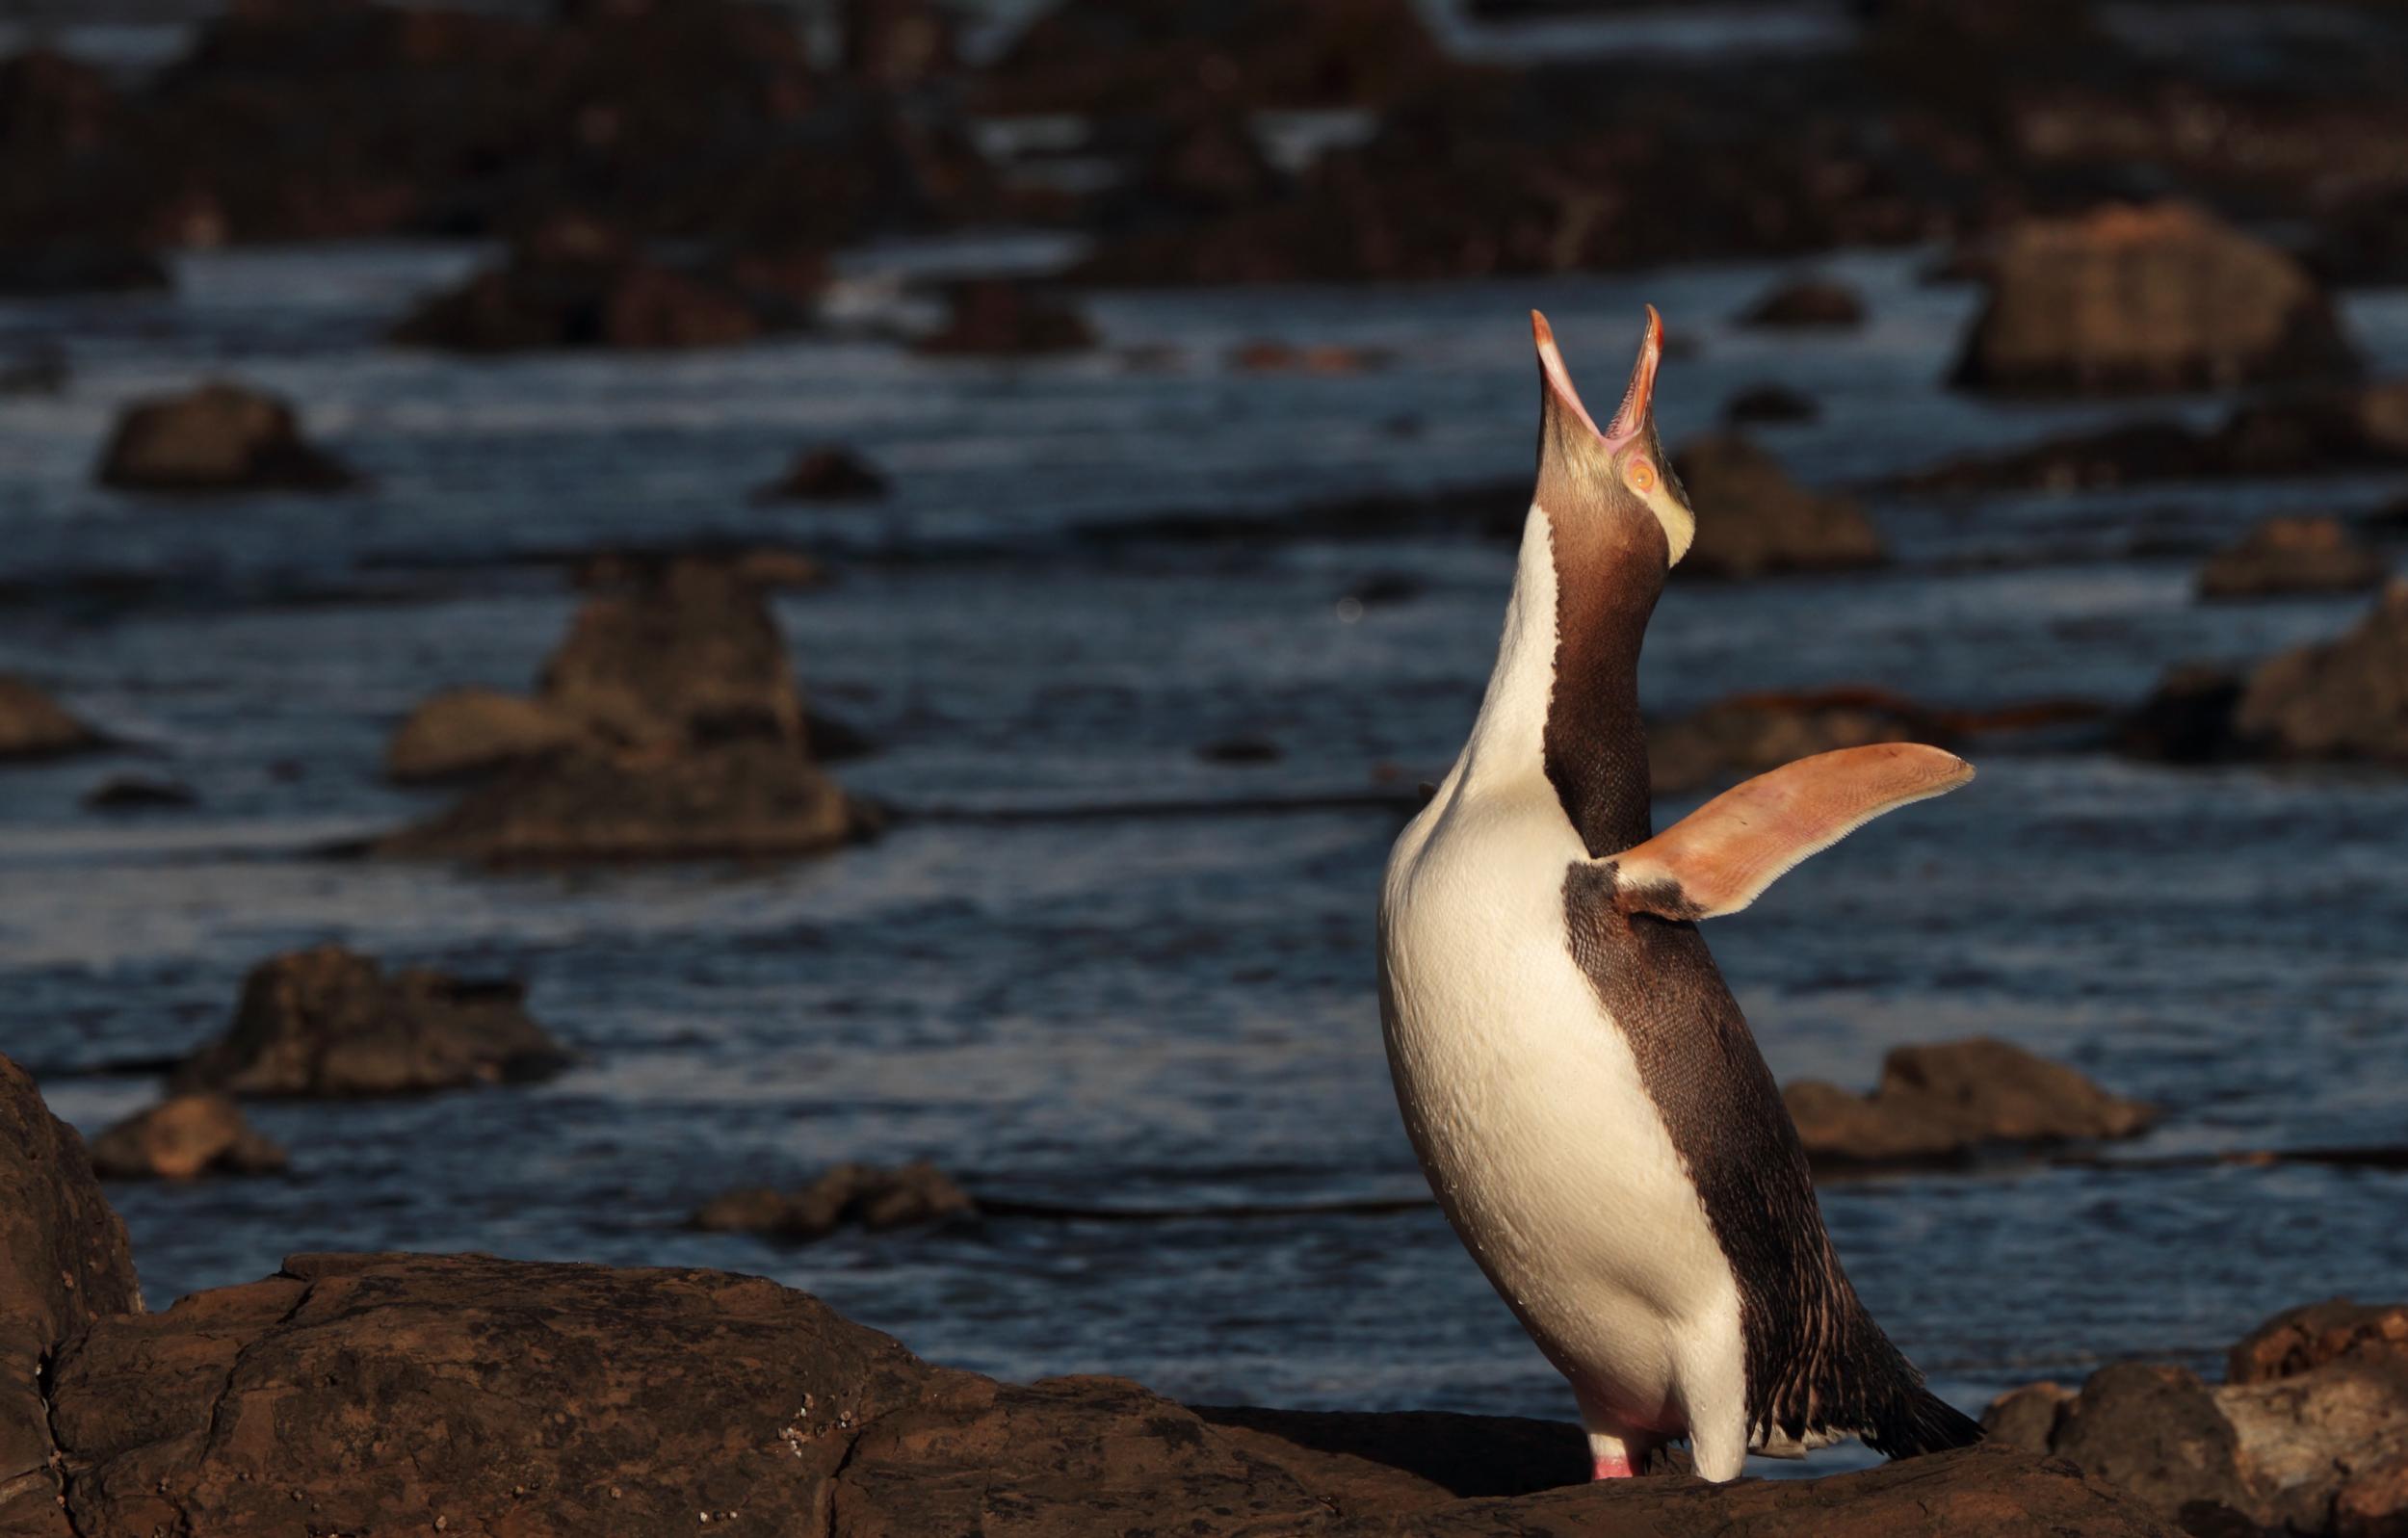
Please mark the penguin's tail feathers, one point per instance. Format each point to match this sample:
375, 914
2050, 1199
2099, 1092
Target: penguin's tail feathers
1915, 1421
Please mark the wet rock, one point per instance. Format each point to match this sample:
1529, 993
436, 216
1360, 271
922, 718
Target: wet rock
1769, 403
1108, 56
2187, 718
833, 740
2283, 556
465, 732
63, 1265
736, 799
1748, 734
34, 725
79, 266
2161, 297
1813, 301
548, 299
873, 1198
1753, 519
997, 318
138, 792
1941, 1102
2339, 700
829, 473
329, 1022
687, 654
1197, 157
184, 1137
219, 437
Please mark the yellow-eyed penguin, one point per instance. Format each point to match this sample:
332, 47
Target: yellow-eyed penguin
1581, 1089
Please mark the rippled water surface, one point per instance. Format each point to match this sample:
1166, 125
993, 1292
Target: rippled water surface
1158, 1010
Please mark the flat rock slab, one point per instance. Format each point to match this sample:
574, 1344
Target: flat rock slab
367, 1394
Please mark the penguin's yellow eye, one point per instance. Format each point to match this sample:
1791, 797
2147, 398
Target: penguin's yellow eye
1642, 475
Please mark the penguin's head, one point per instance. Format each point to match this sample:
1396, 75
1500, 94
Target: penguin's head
1611, 484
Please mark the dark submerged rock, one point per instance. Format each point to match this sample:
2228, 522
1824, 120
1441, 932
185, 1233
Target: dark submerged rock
184, 1137
331, 1023
138, 792
606, 296
1753, 519
79, 266
2219, 309
1769, 403
33, 726
998, 318
2282, 555
828, 473
1748, 734
873, 1198
219, 437
1941, 1102
2187, 718
1807, 303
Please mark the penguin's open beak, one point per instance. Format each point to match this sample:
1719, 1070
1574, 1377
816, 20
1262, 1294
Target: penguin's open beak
1632, 418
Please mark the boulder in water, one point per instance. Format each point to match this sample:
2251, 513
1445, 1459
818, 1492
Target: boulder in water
219, 437
183, 1136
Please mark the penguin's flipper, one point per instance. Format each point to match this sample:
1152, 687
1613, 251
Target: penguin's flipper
1719, 858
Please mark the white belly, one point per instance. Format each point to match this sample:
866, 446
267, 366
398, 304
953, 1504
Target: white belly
1527, 1111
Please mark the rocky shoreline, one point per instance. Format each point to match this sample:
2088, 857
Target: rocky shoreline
358, 1393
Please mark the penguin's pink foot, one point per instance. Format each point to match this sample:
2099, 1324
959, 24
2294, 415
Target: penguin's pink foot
1616, 1466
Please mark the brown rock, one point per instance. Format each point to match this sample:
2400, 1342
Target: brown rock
63, 1265
219, 437
2026, 1419
1944, 1100
410, 1393
1752, 518
1748, 734
997, 318
1101, 56
183, 1136
466, 732
688, 654
438, 1391
2374, 1502
547, 298
730, 800
2156, 1432
1807, 303
2338, 699
1769, 403
2152, 299
327, 1021
898, 42
34, 725
875, 1198
829, 473
2291, 555
2303, 1339
2307, 1439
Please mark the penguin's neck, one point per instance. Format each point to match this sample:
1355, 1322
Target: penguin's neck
1562, 703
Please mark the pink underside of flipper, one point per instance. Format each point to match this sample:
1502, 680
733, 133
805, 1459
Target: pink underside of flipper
1615, 1468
